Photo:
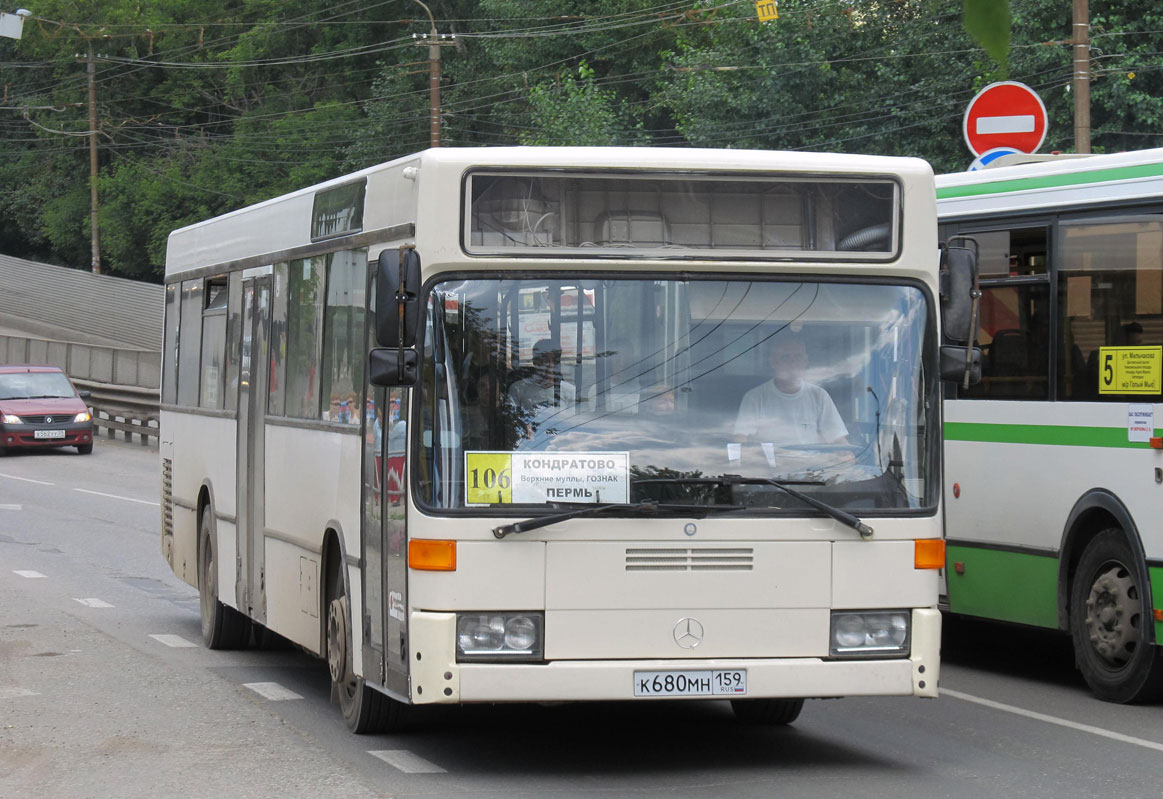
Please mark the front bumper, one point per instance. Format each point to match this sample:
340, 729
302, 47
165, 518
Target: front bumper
15, 436
437, 677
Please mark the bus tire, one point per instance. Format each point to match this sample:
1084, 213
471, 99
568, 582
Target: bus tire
365, 710
1109, 624
223, 627
766, 712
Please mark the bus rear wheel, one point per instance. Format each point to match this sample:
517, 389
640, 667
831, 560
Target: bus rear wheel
767, 712
365, 710
1109, 623
223, 627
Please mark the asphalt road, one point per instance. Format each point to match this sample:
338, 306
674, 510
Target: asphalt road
106, 691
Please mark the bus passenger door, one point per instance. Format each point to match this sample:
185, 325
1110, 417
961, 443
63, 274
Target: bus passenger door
385, 645
252, 403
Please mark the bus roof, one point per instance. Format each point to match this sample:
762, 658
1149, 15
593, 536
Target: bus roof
1062, 183
283, 223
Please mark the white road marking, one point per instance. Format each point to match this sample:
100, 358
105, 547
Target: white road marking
26, 479
29, 573
1073, 725
93, 602
271, 690
175, 641
12, 693
115, 496
1020, 123
405, 761
11, 507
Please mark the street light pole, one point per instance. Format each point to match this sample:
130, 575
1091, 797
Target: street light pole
434, 43
1081, 76
93, 226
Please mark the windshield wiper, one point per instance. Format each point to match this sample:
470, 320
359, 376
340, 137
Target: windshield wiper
644, 507
784, 485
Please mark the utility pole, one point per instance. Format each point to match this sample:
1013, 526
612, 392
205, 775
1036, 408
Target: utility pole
434, 42
93, 227
1081, 76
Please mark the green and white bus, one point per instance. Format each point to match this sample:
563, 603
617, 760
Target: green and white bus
464, 425
1054, 466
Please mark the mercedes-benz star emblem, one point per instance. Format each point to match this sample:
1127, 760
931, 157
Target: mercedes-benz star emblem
688, 633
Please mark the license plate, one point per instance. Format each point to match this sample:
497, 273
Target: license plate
718, 682
48, 434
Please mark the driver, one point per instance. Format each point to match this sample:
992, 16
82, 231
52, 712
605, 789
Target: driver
788, 410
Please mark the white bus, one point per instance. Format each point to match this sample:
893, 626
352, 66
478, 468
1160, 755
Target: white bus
1054, 468
466, 425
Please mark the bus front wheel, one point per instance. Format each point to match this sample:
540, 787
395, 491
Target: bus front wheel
1109, 623
365, 710
767, 712
223, 627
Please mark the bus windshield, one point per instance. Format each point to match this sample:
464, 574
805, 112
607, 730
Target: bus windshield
656, 389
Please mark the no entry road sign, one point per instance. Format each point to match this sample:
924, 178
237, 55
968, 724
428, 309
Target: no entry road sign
1007, 114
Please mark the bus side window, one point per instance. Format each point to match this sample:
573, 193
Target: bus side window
170, 353
190, 343
1110, 294
304, 337
343, 336
1014, 318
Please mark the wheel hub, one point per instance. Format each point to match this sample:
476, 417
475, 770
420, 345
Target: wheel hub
337, 640
1111, 609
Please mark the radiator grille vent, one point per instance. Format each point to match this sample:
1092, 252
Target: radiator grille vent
167, 497
689, 559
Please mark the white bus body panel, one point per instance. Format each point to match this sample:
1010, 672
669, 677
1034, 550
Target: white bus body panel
205, 452
312, 485
437, 677
1032, 512
1081, 182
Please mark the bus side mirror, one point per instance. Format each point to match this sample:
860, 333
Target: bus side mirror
959, 291
393, 366
962, 364
397, 298
960, 296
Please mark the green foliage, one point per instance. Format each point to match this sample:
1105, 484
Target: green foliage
573, 112
207, 105
988, 22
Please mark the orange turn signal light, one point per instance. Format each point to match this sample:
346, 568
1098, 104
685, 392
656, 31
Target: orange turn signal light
929, 553
1158, 614
433, 556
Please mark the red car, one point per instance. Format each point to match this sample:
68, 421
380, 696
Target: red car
39, 407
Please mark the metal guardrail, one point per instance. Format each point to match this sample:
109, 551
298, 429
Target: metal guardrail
128, 409
122, 383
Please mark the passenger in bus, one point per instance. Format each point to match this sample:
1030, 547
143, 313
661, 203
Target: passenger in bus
658, 402
788, 410
545, 387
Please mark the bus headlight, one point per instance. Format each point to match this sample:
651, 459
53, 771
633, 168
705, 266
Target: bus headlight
499, 636
879, 634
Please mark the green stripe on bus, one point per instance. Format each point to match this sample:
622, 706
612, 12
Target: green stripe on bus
1048, 434
1156, 576
1052, 181
1007, 586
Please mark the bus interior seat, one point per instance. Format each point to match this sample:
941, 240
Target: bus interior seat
1008, 356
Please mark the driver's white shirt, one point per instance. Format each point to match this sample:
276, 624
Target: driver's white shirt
806, 417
